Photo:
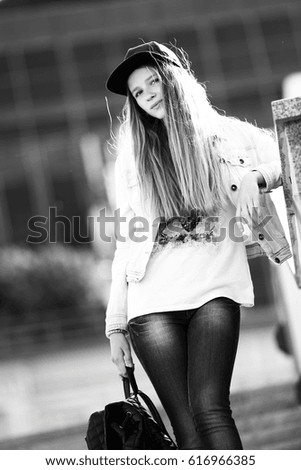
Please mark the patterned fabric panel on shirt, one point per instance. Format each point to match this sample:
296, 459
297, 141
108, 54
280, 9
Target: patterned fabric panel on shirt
187, 229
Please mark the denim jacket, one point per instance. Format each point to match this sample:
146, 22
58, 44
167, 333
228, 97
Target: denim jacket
253, 152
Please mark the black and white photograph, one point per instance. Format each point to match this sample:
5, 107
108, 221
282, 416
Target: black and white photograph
150, 232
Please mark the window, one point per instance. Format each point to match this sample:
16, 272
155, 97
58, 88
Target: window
281, 49
43, 73
233, 49
55, 125
19, 207
90, 61
69, 223
6, 91
100, 125
188, 40
246, 104
10, 147
9, 133
55, 144
269, 94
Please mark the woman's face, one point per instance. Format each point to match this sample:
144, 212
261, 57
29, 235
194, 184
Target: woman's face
146, 87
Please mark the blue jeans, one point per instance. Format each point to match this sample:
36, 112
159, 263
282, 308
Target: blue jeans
189, 357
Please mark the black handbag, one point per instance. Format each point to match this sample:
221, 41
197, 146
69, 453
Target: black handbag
127, 425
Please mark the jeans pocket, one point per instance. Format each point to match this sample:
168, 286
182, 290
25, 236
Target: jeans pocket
135, 325
143, 324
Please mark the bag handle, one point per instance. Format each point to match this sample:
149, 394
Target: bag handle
130, 380
126, 387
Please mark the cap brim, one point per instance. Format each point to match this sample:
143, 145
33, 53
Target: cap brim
117, 81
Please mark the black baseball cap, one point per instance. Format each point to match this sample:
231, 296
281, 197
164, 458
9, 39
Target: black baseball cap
148, 53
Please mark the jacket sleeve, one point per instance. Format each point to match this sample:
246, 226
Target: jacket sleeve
116, 313
268, 160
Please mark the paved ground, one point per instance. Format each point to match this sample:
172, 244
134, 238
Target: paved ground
58, 390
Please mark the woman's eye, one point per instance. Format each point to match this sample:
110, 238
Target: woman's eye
155, 80
138, 94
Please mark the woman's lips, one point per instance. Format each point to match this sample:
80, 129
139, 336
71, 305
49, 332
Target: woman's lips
156, 104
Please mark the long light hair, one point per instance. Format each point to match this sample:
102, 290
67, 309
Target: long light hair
178, 159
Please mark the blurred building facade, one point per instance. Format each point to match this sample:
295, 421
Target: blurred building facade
55, 57
54, 60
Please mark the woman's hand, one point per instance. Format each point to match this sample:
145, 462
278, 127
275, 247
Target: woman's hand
121, 352
248, 197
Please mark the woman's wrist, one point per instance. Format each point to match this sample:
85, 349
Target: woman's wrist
259, 178
117, 331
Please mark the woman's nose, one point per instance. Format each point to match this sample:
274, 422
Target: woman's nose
151, 96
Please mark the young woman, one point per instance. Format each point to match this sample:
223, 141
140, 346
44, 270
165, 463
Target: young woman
192, 196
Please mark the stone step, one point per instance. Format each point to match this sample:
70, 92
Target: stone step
269, 418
